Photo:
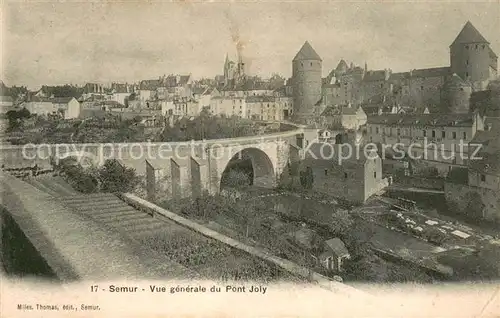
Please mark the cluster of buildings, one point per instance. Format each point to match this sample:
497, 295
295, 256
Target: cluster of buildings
438, 115
448, 89
444, 106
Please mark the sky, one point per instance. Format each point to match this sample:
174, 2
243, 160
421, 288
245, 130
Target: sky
70, 42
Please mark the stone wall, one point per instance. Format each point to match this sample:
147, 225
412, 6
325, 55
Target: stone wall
473, 202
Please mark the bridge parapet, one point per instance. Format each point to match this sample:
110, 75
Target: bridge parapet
74, 246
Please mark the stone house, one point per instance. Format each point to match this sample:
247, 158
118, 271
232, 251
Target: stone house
413, 131
66, 107
354, 177
334, 255
228, 106
69, 107
120, 92
473, 191
344, 117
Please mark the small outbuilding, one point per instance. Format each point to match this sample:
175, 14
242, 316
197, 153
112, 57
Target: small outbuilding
334, 254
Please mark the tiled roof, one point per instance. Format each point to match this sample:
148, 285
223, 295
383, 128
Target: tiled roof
183, 79
113, 104
248, 85
372, 76
260, 99
469, 34
456, 81
307, 53
199, 90
342, 66
492, 53
432, 120
431, 72
209, 91
328, 155
149, 85
337, 246
119, 88
371, 109
339, 110
399, 76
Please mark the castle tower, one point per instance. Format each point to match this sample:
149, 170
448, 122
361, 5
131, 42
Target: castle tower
341, 68
455, 95
306, 74
472, 59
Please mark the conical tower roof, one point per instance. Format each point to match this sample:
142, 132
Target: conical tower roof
342, 66
469, 34
307, 53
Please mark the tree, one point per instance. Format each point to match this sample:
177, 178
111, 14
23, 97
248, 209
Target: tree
475, 205
16, 118
249, 212
341, 222
236, 179
114, 177
307, 178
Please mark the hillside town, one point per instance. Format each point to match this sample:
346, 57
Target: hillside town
420, 204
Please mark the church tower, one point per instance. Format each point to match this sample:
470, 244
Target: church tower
472, 59
306, 77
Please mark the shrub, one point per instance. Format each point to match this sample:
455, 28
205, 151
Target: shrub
114, 177
79, 179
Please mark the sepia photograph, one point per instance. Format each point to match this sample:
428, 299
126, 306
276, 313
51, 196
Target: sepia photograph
250, 159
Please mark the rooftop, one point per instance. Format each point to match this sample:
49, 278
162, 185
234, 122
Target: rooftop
469, 34
422, 120
307, 53
431, 72
337, 246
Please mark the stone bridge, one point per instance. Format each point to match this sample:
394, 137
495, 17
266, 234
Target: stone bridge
177, 169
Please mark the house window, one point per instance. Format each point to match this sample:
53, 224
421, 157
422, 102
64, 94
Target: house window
399, 132
433, 134
311, 64
345, 175
467, 62
422, 87
483, 178
376, 130
425, 133
454, 135
375, 174
443, 134
326, 172
466, 74
465, 135
477, 47
466, 47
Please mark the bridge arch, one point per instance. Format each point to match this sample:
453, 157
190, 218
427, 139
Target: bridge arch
263, 168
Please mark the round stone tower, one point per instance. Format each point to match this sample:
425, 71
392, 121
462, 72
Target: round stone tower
306, 77
456, 95
471, 57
